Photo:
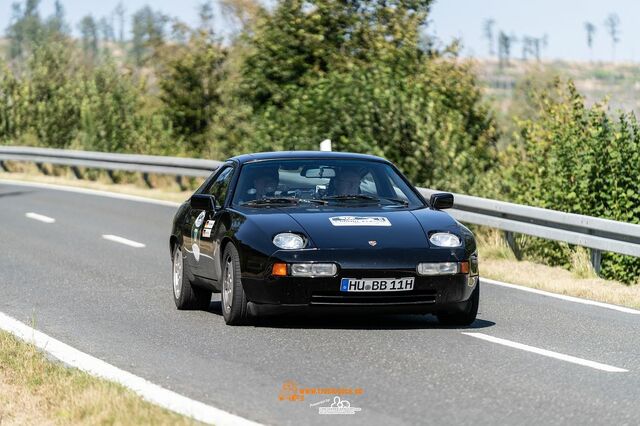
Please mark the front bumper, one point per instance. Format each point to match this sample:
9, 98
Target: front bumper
430, 293
326, 291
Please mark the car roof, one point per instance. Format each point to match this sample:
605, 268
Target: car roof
300, 155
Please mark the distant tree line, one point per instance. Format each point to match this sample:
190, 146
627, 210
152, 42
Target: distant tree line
612, 25
532, 47
503, 44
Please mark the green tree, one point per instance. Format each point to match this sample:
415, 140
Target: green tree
12, 108
612, 23
487, 29
148, 29
26, 29
577, 159
51, 94
301, 41
190, 89
56, 24
119, 13
590, 29
89, 36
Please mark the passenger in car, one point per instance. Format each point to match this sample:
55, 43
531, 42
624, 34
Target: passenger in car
262, 184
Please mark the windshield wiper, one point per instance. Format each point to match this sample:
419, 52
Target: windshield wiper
281, 200
405, 203
269, 201
357, 197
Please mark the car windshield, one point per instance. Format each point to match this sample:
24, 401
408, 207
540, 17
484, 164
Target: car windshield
334, 182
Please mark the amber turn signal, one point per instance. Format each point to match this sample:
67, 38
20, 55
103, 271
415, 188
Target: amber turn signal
464, 267
279, 269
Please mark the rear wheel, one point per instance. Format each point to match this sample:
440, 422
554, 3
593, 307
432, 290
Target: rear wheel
465, 317
235, 308
185, 295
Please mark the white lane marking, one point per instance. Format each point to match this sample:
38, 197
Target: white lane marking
124, 241
89, 192
563, 297
551, 354
96, 367
40, 217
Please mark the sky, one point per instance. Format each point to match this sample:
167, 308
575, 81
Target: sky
561, 20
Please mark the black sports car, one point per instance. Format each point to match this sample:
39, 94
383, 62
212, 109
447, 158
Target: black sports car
321, 230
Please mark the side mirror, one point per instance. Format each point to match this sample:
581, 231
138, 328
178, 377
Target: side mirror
203, 202
441, 200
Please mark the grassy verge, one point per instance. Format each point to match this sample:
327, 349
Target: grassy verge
34, 390
498, 262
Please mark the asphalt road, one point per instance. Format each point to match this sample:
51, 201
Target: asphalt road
114, 302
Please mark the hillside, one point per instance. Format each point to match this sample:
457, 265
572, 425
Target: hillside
619, 82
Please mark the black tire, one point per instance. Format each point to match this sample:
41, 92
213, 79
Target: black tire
185, 295
235, 308
465, 317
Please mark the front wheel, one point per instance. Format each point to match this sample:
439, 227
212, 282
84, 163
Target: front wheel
235, 308
465, 317
185, 295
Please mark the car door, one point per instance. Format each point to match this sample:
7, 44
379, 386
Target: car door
206, 225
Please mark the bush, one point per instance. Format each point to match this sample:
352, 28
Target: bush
577, 159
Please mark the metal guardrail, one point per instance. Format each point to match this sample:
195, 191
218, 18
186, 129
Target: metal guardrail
594, 233
108, 161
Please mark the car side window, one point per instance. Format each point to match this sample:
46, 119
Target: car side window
220, 186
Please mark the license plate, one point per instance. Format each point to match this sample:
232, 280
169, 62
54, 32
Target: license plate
376, 284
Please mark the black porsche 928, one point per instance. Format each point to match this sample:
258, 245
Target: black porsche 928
329, 230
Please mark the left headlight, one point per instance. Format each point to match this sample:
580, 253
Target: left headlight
288, 241
445, 239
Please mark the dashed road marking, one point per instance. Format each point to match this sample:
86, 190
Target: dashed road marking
40, 217
550, 354
122, 240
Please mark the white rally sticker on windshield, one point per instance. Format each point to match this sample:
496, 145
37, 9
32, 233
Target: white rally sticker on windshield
359, 221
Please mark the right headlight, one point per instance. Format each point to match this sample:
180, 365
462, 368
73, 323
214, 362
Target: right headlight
288, 241
445, 239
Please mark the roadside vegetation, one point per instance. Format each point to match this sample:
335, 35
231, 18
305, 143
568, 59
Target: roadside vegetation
38, 391
365, 74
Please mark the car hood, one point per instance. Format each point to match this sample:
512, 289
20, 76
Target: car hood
380, 229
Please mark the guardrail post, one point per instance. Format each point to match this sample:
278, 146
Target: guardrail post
77, 173
145, 177
180, 183
42, 169
511, 242
3, 166
596, 260
111, 175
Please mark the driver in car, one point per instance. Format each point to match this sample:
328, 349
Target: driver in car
347, 182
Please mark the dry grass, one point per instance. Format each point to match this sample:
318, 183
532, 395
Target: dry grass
34, 390
498, 262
